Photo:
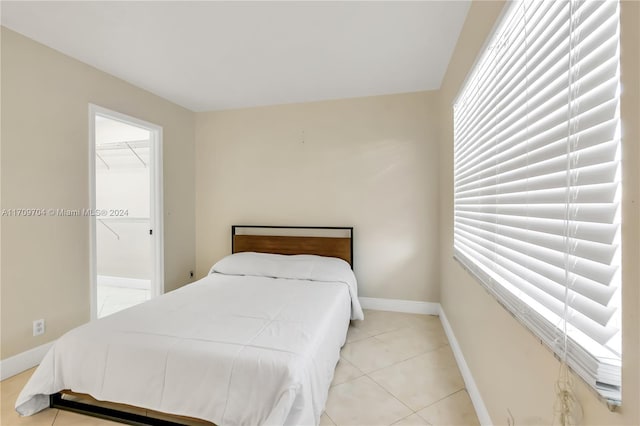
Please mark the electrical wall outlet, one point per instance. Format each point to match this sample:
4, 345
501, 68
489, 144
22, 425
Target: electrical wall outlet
38, 327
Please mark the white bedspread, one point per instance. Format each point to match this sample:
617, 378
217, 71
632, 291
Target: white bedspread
233, 350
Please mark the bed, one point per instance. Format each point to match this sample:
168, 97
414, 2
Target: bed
254, 342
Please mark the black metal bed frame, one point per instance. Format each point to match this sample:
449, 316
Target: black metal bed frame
342, 228
57, 401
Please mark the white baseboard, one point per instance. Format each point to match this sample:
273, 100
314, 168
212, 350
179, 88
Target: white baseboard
23, 361
124, 282
397, 305
470, 384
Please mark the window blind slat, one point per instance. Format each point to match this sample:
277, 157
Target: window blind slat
595, 232
599, 193
598, 213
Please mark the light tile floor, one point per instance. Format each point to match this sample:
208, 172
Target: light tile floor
396, 369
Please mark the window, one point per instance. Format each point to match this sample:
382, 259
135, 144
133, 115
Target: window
537, 178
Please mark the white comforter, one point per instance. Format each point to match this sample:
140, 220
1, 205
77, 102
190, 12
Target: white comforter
230, 349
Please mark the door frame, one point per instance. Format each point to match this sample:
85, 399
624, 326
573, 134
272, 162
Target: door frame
156, 207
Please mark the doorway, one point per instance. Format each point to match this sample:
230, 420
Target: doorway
126, 211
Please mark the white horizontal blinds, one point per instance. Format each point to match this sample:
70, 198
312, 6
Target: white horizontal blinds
537, 176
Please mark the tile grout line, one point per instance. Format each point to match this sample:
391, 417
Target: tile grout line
375, 334
327, 414
416, 413
393, 396
441, 399
399, 361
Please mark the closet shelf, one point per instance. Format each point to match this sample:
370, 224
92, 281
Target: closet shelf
125, 219
120, 219
130, 146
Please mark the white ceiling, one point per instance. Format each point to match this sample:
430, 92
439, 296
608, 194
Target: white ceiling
220, 55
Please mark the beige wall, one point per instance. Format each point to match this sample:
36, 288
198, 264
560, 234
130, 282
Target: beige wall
511, 367
367, 162
45, 260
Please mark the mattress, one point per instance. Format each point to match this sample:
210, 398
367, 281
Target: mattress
246, 345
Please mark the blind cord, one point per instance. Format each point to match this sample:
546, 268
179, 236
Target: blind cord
567, 410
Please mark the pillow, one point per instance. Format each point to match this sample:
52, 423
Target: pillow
299, 267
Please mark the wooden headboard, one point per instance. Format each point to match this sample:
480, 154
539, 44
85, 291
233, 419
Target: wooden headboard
269, 239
